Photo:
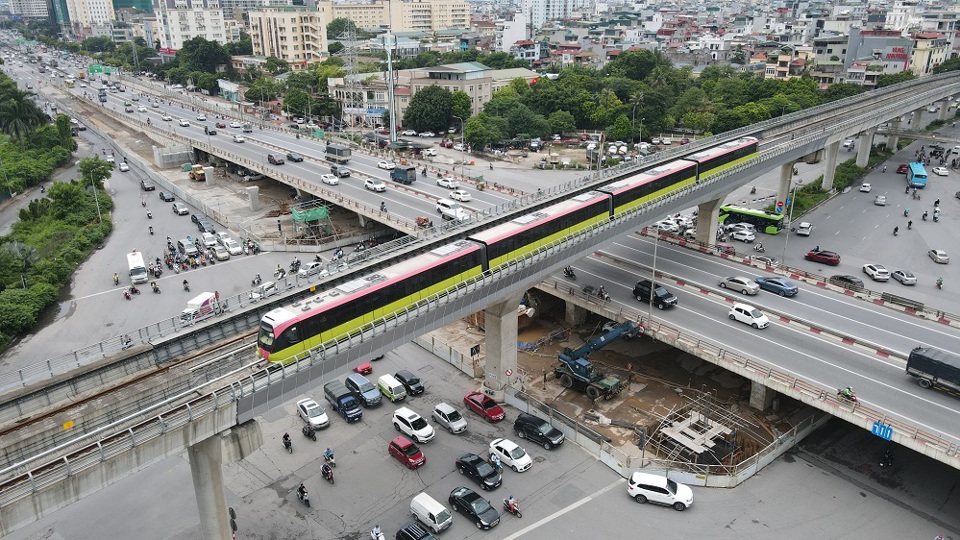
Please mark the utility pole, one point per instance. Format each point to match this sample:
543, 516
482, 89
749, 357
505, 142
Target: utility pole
388, 45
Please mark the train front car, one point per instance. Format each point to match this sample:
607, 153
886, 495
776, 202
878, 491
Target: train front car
344, 309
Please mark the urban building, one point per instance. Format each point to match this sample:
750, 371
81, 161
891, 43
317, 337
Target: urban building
182, 20
408, 16
29, 9
929, 51
297, 35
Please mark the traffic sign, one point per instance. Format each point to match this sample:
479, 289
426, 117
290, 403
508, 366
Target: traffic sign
508, 372
779, 204
779, 209
882, 430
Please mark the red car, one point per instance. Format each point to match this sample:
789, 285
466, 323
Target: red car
825, 257
406, 452
221, 125
483, 405
364, 368
902, 168
684, 141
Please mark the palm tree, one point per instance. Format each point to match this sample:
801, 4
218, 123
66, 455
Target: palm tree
636, 100
20, 116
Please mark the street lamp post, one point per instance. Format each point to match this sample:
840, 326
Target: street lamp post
463, 147
793, 197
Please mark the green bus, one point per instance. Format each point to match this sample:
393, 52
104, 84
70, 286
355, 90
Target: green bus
763, 221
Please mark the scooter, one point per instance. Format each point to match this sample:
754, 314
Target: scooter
288, 444
256, 281
570, 274
156, 288
589, 290
280, 273
515, 510
330, 460
304, 498
328, 475
309, 433
852, 398
149, 214
377, 535
759, 248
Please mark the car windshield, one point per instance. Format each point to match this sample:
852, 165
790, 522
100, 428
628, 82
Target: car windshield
413, 381
314, 411
517, 453
480, 505
411, 450
453, 416
489, 404
755, 313
671, 486
484, 469
544, 428
366, 387
419, 423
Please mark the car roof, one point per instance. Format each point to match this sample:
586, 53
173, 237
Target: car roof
444, 407
506, 443
401, 441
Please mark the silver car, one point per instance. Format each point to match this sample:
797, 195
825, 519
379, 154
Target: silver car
449, 418
740, 283
905, 277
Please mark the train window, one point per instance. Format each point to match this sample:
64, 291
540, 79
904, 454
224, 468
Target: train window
292, 335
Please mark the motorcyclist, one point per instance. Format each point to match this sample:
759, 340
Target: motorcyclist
940, 282
186, 285
896, 230
602, 292
326, 471
568, 270
909, 225
328, 454
286, 440
848, 393
154, 286
376, 531
383, 206
302, 491
511, 504
759, 246
116, 278
495, 461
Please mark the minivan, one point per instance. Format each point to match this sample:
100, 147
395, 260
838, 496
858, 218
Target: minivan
363, 390
391, 387
452, 210
431, 513
645, 487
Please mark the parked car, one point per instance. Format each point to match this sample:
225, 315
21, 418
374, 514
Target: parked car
408, 133
479, 470
778, 285
233, 247
450, 418
427, 134
484, 405
404, 451
180, 209
748, 314
847, 282
905, 277
409, 381
410, 423
511, 455
825, 257
538, 430
740, 283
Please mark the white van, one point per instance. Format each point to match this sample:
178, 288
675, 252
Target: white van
431, 513
391, 388
452, 210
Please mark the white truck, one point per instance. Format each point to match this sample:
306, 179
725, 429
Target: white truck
204, 305
138, 270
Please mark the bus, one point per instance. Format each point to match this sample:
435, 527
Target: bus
763, 221
916, 175
138, 270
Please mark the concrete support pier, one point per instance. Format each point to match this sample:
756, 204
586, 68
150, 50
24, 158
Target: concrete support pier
707, 215
760, 396
783, 188
500, 326
866, 143
830, 165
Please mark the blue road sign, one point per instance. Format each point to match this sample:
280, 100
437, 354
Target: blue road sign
882, 430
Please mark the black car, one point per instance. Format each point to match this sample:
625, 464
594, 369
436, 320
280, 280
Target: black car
295, 157
477, 468
414, 530
197, 217
205, 225
537, 430
410, 381
847, 282
147, 186
166, 197
469, 503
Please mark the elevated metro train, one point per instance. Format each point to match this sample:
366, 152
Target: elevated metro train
346, 308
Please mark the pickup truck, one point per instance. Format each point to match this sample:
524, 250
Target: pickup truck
342, 401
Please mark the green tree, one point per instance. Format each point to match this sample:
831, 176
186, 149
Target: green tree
482, 130
335, 47
241, 47
635, 65
430, 110
98, 44
462, 104
262, 89
295, 102
562, 122
93, 171
842, 90
276, 65
198, 54
339, 27
896, 78
620, 129
951, 64
19, 115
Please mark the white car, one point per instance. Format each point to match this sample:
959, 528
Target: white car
430, 152
329, 179
732, 227
668, 226
666, 141
238, 138
235, 124
459, 147
408, 133
233, 247
848, 143
881, 200
748, 314
412, 424
386, 165
428, 134
141, 108
208, 239
876, 272
374, 185
201, 117
222, 237
167, 117
124, 167
804, 228
646, 487
312, 268
460, 195
941, 171
743, 236
865, 188
938, 256
511, 455
312, 413
184, 123
155, 104
447, 182
266, 290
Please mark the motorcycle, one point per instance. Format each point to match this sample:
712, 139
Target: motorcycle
151, 230
126, 294
599, 292
377, 535
327, 473
288, 444
156, 288
186, 286
149, 214
330, 460
939, 283
134, 290
309, 433
495, 461
294, 266
851, 397
256, 281
280, 273
515, 510
759, 248
304, 497
569, 273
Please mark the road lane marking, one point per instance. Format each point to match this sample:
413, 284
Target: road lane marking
564, 510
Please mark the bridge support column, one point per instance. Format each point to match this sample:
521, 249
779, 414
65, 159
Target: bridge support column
893, 140
707, 215
253, 196
500, 326
575, 315
830, 167
205, 459
942, 108
917, 121
786, 175
363, 221
761, 397
866, 143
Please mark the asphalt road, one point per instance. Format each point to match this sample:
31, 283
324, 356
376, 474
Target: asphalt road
567, 493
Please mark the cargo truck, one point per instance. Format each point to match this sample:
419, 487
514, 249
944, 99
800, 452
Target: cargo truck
404, 175
933, 367
342, 401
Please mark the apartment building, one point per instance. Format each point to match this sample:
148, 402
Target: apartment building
406, 16
181, 20
297, 35
929, 51
29, 9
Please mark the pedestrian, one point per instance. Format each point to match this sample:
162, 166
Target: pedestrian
279, 226
936, 203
